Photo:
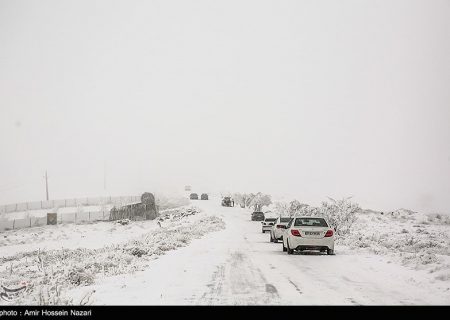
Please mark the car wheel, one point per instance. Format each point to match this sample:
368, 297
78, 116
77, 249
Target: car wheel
284, 248
275, 240
263, 231
271, 238
288, 249
330, 252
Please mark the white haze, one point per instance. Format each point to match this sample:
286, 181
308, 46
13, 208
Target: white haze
304, 99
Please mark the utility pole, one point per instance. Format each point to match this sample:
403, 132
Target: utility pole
46, 184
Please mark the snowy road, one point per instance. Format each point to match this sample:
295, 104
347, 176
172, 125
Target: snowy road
239, 265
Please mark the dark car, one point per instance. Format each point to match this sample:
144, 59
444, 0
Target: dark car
204, 196
227, 202
193, 196
258, 216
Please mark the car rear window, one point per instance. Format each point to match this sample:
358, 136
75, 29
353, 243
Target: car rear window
271, 219
285, 220
310, 222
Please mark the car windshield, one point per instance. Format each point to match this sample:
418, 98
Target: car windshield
284, 220
310, 222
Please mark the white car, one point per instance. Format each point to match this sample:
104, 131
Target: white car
277, 231
267, 224
309, 233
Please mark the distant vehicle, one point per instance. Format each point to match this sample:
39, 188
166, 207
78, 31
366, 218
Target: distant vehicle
227, 202
308, 233
267, 224
277, 231
258, 216
204, 196
193, 196
187, 188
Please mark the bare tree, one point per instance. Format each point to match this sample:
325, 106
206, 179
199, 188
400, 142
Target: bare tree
243, 199
259, 201
281, 208
239, 198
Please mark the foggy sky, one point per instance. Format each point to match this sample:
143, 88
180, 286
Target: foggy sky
305, 99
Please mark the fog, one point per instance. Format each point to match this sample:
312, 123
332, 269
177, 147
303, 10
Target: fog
303, 99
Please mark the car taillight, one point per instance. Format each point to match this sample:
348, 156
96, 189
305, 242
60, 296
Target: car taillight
280, 226
329, 233
296, 233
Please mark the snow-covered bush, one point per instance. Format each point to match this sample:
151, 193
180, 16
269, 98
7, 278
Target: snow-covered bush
309, 211
281, 208
437, 218
340, 214
123, 221
296, 207
79, 277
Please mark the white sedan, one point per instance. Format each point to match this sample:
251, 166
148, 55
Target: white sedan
309, 233
277, 231
267, 224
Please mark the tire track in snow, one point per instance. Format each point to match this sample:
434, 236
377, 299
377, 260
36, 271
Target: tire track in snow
238, 282
297, 288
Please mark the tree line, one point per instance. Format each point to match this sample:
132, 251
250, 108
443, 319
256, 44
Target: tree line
339, 213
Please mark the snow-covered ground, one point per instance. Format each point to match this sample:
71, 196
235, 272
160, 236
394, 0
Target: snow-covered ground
47, 268
222, 257
71, 236
412, 239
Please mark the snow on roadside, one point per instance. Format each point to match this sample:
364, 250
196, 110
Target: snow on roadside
70, 236
415, 240
48, 274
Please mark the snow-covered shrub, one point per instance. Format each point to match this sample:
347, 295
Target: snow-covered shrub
49, 295
123, 221
308, 211
340, 214
437, 218
79, 277
281, 208
295, 208
422, 258
138, 252
402, 214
